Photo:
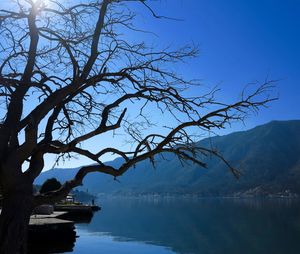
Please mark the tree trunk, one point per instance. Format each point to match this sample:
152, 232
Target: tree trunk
14, 220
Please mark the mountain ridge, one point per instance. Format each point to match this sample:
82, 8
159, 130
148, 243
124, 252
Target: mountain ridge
267, 156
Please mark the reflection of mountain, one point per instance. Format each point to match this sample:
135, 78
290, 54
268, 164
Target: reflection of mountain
204, 226
267, 155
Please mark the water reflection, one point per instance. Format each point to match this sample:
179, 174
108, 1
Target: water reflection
182, 226
102, 243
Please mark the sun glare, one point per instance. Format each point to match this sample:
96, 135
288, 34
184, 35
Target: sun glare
46, 3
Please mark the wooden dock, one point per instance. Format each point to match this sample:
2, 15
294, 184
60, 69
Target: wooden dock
77, 213
55, 232
50, 233
49, 220
49, 224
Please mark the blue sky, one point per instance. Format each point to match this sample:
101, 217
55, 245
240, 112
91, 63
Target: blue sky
239, 42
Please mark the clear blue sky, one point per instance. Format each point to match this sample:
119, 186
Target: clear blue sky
240, 41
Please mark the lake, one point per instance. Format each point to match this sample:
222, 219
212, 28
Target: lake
187, 226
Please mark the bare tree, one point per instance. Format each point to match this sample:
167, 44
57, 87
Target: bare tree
68, 74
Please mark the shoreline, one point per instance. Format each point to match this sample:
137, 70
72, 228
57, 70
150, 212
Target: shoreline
195, 196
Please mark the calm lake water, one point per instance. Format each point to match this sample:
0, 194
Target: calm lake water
187, 226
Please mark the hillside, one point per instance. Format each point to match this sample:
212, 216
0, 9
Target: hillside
268, 157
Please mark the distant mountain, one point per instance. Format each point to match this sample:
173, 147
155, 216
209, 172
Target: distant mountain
268, 157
